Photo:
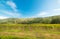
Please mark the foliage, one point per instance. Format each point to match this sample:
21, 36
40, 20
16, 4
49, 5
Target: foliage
42, 20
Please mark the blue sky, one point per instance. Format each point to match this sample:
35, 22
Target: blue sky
29, 8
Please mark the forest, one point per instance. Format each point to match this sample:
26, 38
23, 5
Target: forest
41, 20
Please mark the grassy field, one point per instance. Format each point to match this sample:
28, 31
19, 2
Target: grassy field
29, 31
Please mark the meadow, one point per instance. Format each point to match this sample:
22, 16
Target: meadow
29, 31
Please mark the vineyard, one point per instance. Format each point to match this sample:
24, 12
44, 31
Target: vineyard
29, 31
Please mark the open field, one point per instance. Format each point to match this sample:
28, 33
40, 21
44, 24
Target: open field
29, 31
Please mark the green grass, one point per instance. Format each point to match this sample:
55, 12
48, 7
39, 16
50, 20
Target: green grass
29, 31
26, 37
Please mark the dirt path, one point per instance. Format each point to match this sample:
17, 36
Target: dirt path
22, 34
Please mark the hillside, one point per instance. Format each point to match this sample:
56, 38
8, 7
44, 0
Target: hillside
42, 20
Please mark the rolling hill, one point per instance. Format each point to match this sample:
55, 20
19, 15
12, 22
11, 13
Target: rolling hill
41, 20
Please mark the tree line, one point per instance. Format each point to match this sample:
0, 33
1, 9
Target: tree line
42, 20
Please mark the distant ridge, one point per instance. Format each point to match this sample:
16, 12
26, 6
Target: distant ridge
41, 20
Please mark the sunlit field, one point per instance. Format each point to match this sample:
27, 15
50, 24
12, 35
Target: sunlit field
29, 31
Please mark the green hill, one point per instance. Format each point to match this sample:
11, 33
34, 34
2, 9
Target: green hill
41, 20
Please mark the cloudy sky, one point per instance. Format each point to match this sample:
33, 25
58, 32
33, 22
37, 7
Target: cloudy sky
29, 8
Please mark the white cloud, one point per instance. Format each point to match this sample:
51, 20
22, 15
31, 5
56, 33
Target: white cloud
14, 14
58, 9
12, 5
42, 13
57, 12
58, 1
3, 17
11, 13
52, 12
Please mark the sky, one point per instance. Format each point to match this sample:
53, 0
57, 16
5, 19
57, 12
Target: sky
29, 8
